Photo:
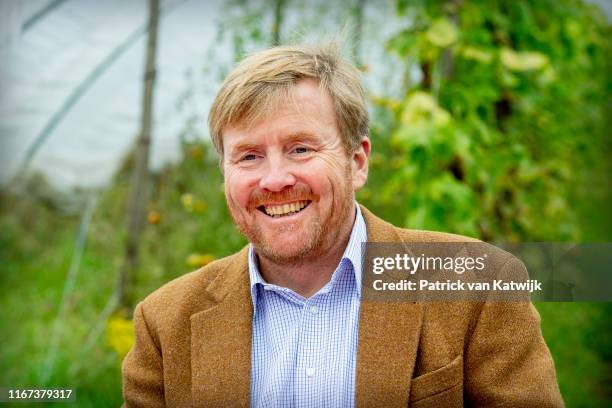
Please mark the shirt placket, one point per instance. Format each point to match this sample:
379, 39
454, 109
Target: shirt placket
309, 359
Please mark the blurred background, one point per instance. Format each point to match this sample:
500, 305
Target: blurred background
488, 118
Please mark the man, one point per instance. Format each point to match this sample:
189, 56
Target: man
282, 322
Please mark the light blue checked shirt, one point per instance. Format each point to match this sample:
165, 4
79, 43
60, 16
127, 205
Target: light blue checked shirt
304, 350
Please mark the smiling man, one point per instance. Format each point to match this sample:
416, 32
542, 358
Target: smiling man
290, 186
283, 322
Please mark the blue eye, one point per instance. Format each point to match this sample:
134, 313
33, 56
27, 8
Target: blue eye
301, 150
248, 157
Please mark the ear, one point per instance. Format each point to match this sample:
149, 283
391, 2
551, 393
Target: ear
359, 163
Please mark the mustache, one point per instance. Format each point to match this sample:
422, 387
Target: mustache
296, 193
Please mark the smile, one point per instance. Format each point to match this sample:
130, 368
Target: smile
283, 210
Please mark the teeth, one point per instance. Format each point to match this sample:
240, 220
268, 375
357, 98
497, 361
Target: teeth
280, 210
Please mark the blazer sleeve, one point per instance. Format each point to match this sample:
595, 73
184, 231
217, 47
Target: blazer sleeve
507, 362
142, 369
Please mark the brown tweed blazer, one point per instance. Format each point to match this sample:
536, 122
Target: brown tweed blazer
193, 345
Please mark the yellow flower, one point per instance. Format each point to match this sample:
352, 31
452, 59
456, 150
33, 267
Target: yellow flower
154, 217
187, 201
198, 260
120, 335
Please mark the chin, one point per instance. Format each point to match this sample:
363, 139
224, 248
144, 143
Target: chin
287, 248
281, 256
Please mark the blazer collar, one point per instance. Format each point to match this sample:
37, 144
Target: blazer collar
221, 338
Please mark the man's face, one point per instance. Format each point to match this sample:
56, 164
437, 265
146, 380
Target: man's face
289, 182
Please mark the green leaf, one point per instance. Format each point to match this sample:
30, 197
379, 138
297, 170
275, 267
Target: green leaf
442, 33
420, 107
476, 54
523, 61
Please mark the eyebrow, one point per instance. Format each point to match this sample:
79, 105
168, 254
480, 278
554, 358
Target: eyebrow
301, 136
242, 146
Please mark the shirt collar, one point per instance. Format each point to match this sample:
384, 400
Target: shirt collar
352, 253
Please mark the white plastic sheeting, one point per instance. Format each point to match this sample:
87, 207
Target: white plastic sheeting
74, 47
70, 77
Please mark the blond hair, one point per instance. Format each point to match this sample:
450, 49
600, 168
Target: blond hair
266, 78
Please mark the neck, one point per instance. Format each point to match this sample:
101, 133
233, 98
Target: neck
312, 273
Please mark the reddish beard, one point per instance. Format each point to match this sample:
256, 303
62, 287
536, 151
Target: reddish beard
322, 233
256, 236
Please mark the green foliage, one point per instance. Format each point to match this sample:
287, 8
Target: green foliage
189, 225
36, 244
578, 336
501, 134
499, 128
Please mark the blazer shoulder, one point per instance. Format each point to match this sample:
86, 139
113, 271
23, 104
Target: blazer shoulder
497, 257
412, 235
380, 230
187, 293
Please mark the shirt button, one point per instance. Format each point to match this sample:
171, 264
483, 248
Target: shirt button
314, 309
310, 372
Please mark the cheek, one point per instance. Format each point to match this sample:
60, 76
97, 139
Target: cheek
337, 173
327, 182
236, 191
333, 163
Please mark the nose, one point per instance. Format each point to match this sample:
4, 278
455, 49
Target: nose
277, 175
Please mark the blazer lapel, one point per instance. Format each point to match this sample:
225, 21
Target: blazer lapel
221, 340
388, 339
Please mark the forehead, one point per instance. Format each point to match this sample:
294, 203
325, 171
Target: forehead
306, 109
